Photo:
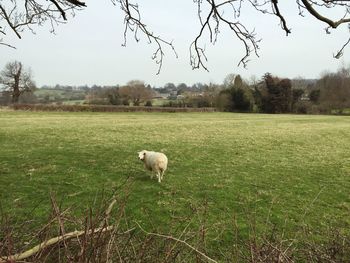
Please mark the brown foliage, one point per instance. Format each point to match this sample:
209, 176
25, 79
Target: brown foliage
136, 92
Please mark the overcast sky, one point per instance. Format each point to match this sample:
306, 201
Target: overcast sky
88, 49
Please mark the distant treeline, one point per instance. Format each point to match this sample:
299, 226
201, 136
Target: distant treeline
328, 95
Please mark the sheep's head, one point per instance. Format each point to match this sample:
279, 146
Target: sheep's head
142, 155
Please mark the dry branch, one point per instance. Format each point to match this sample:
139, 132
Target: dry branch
50, 242
64, 236
133, 23
179, 241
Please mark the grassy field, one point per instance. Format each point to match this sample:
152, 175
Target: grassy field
276, 170
73, 102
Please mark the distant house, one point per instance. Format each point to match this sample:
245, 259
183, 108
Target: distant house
305, 97
172, 95
158, 95
194, 94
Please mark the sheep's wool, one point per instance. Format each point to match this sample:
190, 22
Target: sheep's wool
154, 161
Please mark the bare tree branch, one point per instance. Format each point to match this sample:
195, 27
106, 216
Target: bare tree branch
63, 13
308, 6
340, 52
197, 53
133, 23
179, 241
53, 241
20, 15
8, 20
7, 45
318, 16
278, 13
76, 3
64, 237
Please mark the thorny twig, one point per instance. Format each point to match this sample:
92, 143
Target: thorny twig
177, 240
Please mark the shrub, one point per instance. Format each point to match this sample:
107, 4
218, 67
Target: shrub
175, 104
125, 102
302, 107
104, 108
148, 103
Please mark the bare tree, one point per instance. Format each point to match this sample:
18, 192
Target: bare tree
213, 15
229, 79
136, 92
15, 79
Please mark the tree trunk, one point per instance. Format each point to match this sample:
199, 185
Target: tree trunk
15, 95
16, 92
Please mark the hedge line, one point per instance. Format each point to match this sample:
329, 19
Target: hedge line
104, 108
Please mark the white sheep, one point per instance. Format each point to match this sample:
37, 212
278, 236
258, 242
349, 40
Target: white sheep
154, 161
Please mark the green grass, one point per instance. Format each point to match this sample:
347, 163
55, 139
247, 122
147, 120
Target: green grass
62, 95
159, 102
345, 111
50, 92
73, 102
288, 170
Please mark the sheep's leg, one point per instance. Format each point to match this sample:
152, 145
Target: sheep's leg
149, 169
159, 177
